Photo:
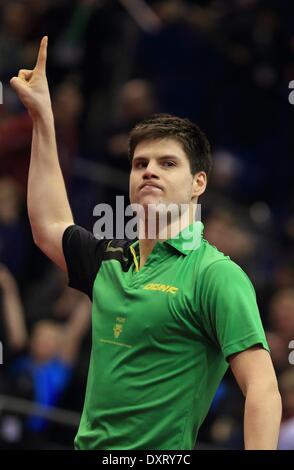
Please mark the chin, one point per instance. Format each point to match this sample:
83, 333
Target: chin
150, 199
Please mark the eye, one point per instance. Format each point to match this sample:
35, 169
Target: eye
140, 164
168, 163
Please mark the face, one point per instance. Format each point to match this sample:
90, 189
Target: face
282, 313
161, 174
44, 341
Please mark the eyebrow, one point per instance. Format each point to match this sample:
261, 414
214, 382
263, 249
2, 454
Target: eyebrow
162, 157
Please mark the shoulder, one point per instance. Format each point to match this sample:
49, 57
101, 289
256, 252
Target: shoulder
74, 234
84, 254
219, 269
212, 259
211, 253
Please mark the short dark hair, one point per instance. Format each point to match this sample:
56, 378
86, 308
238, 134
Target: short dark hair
193, 140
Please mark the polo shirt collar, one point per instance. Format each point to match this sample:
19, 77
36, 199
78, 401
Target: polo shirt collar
188, 239
185, 241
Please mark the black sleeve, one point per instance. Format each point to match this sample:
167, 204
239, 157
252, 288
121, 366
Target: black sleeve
83, 255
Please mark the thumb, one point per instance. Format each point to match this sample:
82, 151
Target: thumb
17, 84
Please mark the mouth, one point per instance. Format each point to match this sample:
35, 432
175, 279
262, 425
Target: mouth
150, 185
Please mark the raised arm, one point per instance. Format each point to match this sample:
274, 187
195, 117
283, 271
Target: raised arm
48, 206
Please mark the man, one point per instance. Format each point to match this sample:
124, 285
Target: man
168, 319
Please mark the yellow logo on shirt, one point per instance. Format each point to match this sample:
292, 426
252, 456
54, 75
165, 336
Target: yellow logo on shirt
118, 326
162, 287
110, 248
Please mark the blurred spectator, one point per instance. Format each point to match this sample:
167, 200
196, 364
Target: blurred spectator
13, 232
284, 272
282, 313
43, 372
11, 306
136, 101
226, 171
223, 229
286, 382
281, 316
223, 426
279, 354
49, 296
67, 105
69, 47
16, 133
15, 146
15, 27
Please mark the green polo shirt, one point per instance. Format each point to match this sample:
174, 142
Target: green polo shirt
161, 336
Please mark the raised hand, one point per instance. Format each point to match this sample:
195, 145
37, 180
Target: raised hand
32, 86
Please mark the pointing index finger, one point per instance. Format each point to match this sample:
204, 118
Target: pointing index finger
42, 55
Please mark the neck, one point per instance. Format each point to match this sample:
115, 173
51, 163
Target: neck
152, 231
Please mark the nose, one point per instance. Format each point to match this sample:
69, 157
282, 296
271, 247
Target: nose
150, 171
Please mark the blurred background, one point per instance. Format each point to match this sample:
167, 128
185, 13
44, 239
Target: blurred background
225, 64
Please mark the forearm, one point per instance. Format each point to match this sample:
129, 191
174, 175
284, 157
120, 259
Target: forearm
14, 319
262, 418
47, 198
80, 319
76, 328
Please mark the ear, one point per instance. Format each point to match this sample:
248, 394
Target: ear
199, 184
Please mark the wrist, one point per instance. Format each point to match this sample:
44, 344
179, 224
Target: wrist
42, 116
